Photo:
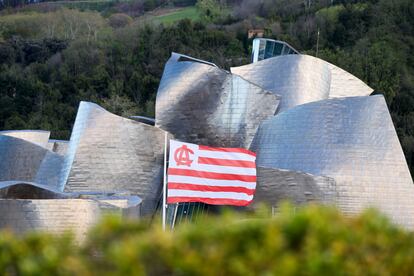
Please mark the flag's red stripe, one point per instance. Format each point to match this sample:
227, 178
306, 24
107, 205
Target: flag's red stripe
212, 201
212, 175
208, 188
226, 162
238, 150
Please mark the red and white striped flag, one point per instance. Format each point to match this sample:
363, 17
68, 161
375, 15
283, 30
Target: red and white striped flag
219, 176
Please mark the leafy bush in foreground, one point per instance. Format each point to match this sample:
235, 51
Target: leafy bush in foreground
310, 241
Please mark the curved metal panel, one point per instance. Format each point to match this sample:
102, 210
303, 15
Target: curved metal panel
61, 215
24, 161
352, 140
276, 185
108, 153
38, 137
344, 84
19, 159
54, 215
50, 170
199, 103
298, 79
301, 79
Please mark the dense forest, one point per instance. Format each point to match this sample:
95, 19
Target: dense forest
51, 56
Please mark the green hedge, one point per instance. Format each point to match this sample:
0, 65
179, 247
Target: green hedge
310, 241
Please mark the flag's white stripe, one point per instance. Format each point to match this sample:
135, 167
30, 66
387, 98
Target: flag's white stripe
226, 155
210, 182
227, 195
222, 169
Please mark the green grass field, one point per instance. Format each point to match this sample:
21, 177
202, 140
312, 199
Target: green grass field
189, 12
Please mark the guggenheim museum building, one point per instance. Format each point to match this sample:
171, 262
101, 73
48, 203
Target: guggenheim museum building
319, 134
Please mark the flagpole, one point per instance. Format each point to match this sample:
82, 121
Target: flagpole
164, 190
175, 216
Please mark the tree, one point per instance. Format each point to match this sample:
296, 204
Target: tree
210, 9
119, 20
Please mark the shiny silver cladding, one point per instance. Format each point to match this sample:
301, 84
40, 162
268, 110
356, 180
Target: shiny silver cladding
50, 170
27, 206
25, 161
60, 215
200, 103
38, 137
352, 140
53, 215
344, 84
19, 159
301, 79
277, 185
298, 79
108, 153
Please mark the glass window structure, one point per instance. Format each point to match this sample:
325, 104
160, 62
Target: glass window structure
264, 48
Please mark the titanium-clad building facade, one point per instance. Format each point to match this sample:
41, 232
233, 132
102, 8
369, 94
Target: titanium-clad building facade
56, 215
351, 140
301, 79
277, 185
38, 137
328, 142
108, 153
110, 164
29, 206
200, 103
317, 133
19, 159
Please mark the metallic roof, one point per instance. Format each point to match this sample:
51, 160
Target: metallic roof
301, 79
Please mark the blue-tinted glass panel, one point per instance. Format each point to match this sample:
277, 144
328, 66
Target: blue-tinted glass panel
277, 51
269, 49
262, 47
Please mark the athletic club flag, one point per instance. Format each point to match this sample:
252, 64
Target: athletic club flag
219, 176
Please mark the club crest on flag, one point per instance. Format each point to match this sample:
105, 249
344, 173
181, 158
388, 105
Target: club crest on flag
182, 156
219, 176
